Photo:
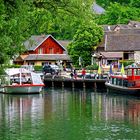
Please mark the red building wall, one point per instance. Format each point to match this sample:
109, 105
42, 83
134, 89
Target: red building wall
49, 46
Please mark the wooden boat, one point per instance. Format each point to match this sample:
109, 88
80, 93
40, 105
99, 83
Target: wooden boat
22, 81
127, 84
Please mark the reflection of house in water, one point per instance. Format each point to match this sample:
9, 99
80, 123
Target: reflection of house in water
114, 109
118, 108
134, 111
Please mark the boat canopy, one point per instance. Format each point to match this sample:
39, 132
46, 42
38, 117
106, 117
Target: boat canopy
14, 71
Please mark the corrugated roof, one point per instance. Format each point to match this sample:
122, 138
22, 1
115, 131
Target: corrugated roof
47, 57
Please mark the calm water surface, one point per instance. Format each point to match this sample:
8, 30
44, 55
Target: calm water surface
66, 114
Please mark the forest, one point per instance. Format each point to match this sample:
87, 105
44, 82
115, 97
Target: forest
72, 20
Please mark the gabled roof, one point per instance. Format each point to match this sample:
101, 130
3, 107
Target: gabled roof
36, 40
47, 57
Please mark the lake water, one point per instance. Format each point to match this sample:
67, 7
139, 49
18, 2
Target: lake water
66, 114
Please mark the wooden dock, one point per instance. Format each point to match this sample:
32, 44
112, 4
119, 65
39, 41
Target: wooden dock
60, 81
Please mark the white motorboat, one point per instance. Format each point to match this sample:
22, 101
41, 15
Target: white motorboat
23, 81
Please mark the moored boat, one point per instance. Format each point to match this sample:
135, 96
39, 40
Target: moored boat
22, 81
126, 84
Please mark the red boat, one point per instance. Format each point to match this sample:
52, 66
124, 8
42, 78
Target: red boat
127, 84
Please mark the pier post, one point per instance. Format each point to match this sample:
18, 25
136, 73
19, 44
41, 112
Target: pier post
62, 83
94, 85
84, 85
73, 84
52, 83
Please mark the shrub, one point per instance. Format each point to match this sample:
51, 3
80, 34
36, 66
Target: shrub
92, 67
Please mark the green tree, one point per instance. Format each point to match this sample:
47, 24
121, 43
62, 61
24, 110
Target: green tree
106, 3
14, 27
118, 14
61, 18
84, 42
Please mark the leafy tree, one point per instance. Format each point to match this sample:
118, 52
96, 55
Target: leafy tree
118, 14
84, 42
106, 3
61, 18
14, 25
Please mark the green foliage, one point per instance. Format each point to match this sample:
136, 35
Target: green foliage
118, 14
131, 3
13, 66
92, 67
38, 68
13, 24
60, 18
87, 37
126, 63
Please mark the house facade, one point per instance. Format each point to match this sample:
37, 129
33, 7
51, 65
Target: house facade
120, 42
43, 49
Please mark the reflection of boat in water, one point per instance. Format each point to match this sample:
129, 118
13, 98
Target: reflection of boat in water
22, 81
128, 84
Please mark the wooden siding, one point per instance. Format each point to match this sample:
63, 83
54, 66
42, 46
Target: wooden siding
49, 46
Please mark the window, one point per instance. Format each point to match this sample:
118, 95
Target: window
40, 51
129, 72
51, 50
126, 56
57, 50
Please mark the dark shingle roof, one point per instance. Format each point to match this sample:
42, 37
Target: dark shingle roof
64, 43
122, 37
122, 42
47, 57
132, 25
112, 54
36, 40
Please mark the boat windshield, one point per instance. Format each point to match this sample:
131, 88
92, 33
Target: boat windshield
133, 71
129, 72
137, 72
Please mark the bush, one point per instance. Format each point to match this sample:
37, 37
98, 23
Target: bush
38, 68
126, 63
92, 67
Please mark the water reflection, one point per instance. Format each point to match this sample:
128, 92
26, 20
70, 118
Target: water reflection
69, 114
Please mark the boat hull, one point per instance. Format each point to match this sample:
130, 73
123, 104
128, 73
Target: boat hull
23, 89
122, 90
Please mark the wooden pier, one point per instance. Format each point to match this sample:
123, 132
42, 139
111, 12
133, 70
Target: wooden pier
60, 81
